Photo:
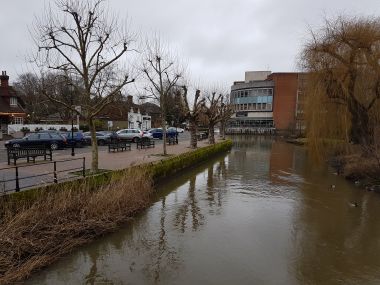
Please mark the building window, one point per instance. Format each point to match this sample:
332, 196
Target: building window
13, 101
18, 120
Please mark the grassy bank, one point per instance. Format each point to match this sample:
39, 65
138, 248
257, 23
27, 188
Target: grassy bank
359, 168
38, 226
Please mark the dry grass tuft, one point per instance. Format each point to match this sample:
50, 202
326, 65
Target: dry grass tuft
33, 235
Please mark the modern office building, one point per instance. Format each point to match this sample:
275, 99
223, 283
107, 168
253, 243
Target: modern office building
267, 101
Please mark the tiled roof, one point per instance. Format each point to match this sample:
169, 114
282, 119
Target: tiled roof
7, 91
5, 108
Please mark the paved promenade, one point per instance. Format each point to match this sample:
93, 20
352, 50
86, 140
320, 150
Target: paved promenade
107, 160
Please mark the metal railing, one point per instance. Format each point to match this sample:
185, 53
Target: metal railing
19, 181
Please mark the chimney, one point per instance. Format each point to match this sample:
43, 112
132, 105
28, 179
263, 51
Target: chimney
130, 100
4, 79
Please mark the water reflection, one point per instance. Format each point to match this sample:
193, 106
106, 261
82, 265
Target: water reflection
261, 214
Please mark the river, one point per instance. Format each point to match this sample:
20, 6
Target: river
261, 214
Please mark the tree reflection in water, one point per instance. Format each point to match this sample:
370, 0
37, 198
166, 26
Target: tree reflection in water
190, 204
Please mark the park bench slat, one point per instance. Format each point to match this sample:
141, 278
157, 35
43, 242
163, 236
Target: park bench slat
28, 152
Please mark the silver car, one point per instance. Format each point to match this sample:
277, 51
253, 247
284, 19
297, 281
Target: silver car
130, 134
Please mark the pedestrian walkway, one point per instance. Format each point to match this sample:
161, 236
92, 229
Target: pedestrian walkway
43, 172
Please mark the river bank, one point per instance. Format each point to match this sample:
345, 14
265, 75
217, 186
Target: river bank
39, 226
355, 166
263, 205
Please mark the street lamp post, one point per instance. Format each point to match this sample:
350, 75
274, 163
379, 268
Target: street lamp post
71, 88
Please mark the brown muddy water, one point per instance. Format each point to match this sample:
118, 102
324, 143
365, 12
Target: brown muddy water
260, 214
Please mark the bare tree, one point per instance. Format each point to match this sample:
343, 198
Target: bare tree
343, 60
160, 69
192, 114
212, 109
86, 44
225, 113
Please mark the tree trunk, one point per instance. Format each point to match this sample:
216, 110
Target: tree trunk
211, 135
94, 146
361, 130
193, 134
222, 132
163, 123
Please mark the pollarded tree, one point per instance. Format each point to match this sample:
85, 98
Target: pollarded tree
212, 109
192, 114
86, 44
225, 113
161, 71
175, 111
343, 61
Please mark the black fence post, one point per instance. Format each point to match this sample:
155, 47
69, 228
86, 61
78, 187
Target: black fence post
84, 167
55, 172
17, 182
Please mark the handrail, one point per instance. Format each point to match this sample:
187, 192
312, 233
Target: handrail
55, 173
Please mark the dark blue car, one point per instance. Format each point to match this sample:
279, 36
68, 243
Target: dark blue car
157, 133
52, 140
77, 141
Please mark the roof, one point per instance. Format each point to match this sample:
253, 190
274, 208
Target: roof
5, 108
150, 108
8, 91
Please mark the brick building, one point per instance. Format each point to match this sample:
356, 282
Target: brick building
267, 101
11, 106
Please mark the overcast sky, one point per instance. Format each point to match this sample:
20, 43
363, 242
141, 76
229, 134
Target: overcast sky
220, 39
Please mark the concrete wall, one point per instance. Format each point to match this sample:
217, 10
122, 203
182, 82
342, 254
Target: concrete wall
12, 129
256, 75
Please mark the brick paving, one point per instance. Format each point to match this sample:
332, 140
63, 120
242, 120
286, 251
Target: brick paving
107, 160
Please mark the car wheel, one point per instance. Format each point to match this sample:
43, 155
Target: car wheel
135, 139
101, 142
15, 145
54, 146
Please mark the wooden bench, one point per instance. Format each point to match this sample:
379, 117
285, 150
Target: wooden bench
202, 136
29, 152
145, 142
116, 146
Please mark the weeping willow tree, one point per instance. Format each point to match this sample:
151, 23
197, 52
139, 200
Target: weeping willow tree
343, 86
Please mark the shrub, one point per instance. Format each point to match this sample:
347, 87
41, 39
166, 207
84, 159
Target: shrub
63, 129
25, 130
52, 129
38, 129
35, 234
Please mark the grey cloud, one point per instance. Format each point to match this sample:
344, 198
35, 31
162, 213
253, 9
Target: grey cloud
219, 39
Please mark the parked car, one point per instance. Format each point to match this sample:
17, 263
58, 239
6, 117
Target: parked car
77, 141
52, 140
113, 136
174, 129
147, 135
157, 133
101, 138
130, 134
